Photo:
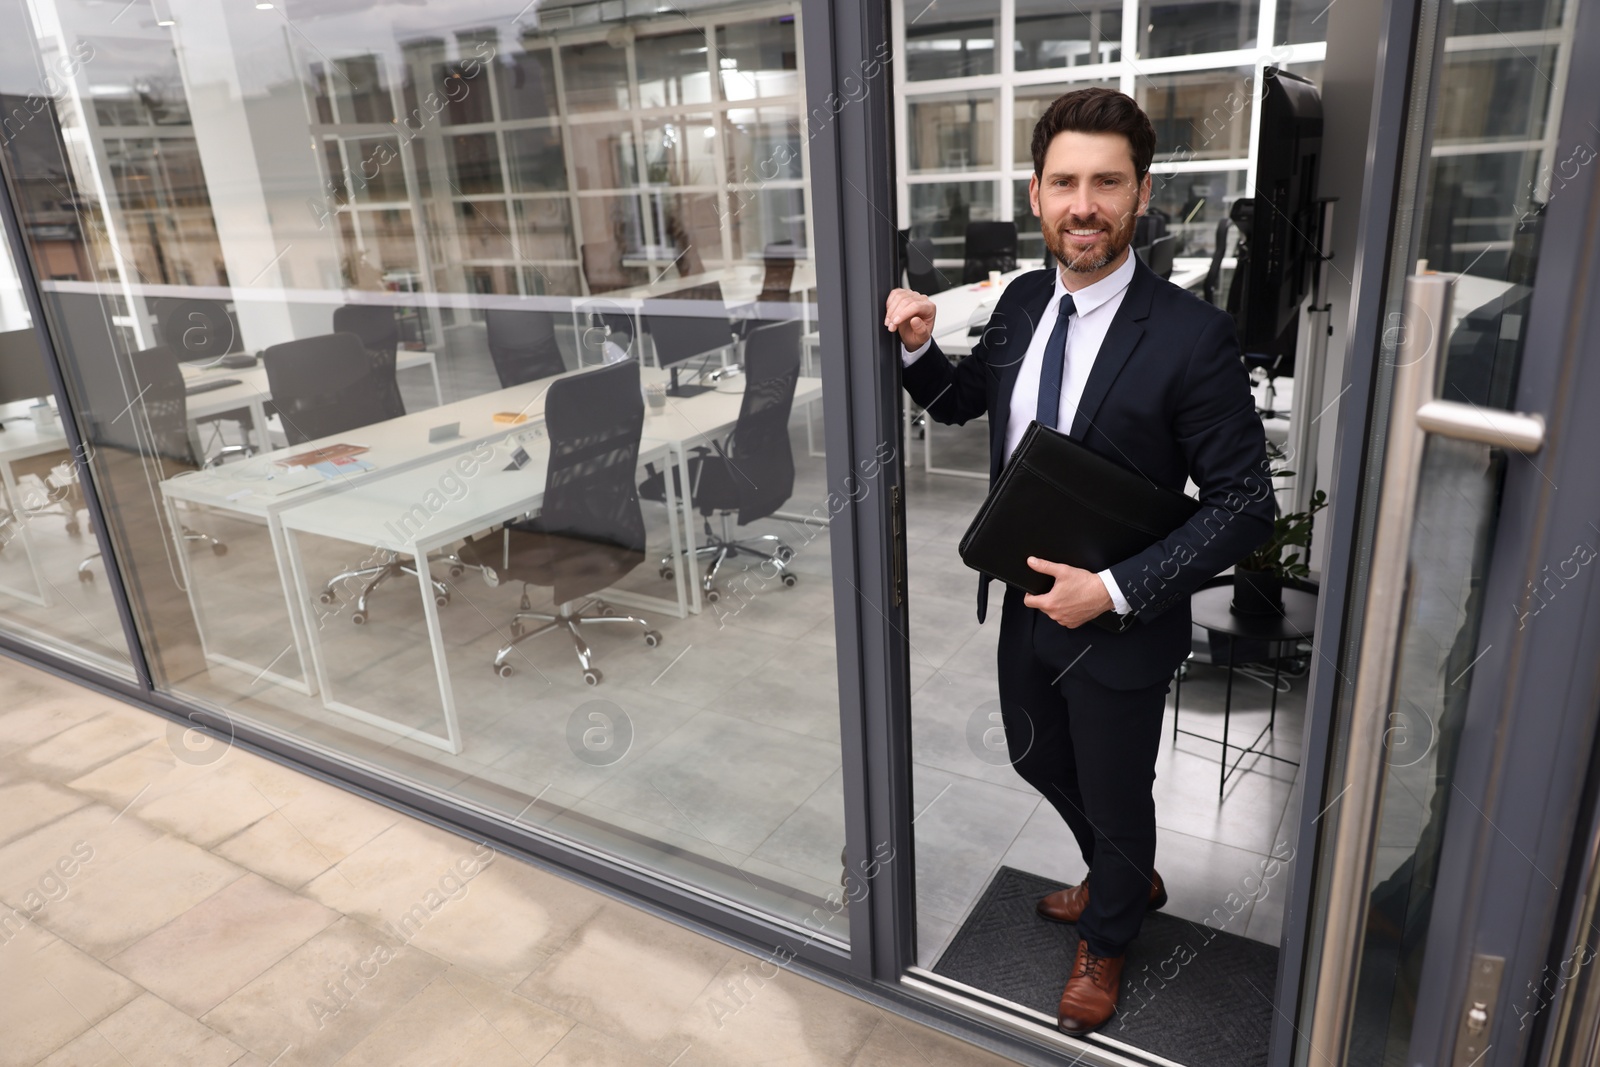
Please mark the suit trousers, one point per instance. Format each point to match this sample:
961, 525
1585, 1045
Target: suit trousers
1091, 751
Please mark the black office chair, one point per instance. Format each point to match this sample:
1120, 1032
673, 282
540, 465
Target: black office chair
523, 345
379, 331
160, 424
990, 246
752, 471
921, 275
589, 532
331, 384
1159, 257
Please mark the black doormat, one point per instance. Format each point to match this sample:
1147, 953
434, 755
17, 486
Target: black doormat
1190, 993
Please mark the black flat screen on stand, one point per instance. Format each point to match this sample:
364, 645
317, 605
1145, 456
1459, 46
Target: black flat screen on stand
694, 325
676, 388
1285, 215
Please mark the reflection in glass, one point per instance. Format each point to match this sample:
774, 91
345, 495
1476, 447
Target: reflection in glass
422, 218
956, 133
672, 70
535, 160
1302, 21
603, 155
1199, 115
596, 76
474, 163
544, 232
681, 150
1050, 35
758, 59
764, 144
940, 211
954, 39
526, 84
1194, 202
1180, 28
1495, 94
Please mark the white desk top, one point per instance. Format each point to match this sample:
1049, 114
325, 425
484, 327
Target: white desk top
400, 444
22, 438
392, 446
370, 512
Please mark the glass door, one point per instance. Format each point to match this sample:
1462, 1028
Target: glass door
1457, 501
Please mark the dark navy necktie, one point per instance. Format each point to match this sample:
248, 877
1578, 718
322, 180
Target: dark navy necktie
1055, 357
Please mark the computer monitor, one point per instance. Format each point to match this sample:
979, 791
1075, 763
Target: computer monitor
685, 329
1285, 215
22, 370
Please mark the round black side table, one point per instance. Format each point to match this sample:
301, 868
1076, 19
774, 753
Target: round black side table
1209, 609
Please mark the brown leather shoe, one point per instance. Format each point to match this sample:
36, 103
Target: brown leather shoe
1067, 905
1091, 994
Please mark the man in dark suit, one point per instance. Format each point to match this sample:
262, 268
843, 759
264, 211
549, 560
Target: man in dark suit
1148, 376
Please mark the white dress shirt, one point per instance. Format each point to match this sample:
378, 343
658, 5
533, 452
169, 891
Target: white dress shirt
1095, 306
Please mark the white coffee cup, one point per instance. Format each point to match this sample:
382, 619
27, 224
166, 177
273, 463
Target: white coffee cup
994, 278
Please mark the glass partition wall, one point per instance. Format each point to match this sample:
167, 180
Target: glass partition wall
448, 372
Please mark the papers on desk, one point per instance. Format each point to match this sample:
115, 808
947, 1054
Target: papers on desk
339, 468
329, 453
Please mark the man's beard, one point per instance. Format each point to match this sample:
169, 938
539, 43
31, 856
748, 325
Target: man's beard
1088, 260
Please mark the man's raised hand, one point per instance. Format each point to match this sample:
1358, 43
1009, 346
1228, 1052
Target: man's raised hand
911, 314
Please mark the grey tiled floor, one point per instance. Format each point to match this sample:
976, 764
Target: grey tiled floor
165, 905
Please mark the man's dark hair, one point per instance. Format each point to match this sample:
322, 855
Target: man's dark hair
1096, 110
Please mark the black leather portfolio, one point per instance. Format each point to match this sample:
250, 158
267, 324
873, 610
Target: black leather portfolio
1061, 502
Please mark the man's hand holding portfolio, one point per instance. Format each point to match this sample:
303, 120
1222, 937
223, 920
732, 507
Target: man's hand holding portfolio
1077, 596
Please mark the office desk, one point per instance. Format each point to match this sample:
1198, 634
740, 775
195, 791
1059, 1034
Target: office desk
22, 439
245, 493
358, 516
365, 516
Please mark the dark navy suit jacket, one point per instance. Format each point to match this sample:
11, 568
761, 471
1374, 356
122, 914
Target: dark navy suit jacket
1169, 398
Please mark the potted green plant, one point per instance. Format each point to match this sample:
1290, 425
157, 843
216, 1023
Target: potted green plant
1258, 578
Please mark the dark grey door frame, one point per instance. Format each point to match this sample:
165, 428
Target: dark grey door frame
1531, 714
28, 277
1348, 526
852, 196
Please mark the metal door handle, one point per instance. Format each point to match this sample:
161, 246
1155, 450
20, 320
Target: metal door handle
1468, 422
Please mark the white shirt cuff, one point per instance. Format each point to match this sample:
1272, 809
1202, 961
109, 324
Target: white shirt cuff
908, 357
1118, 601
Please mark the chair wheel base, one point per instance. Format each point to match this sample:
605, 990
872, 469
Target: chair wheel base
789, 580
652, 638
326, 597
667, 573
592, 677
86, 576
219, 549
713, 595
503, 670
359, 618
